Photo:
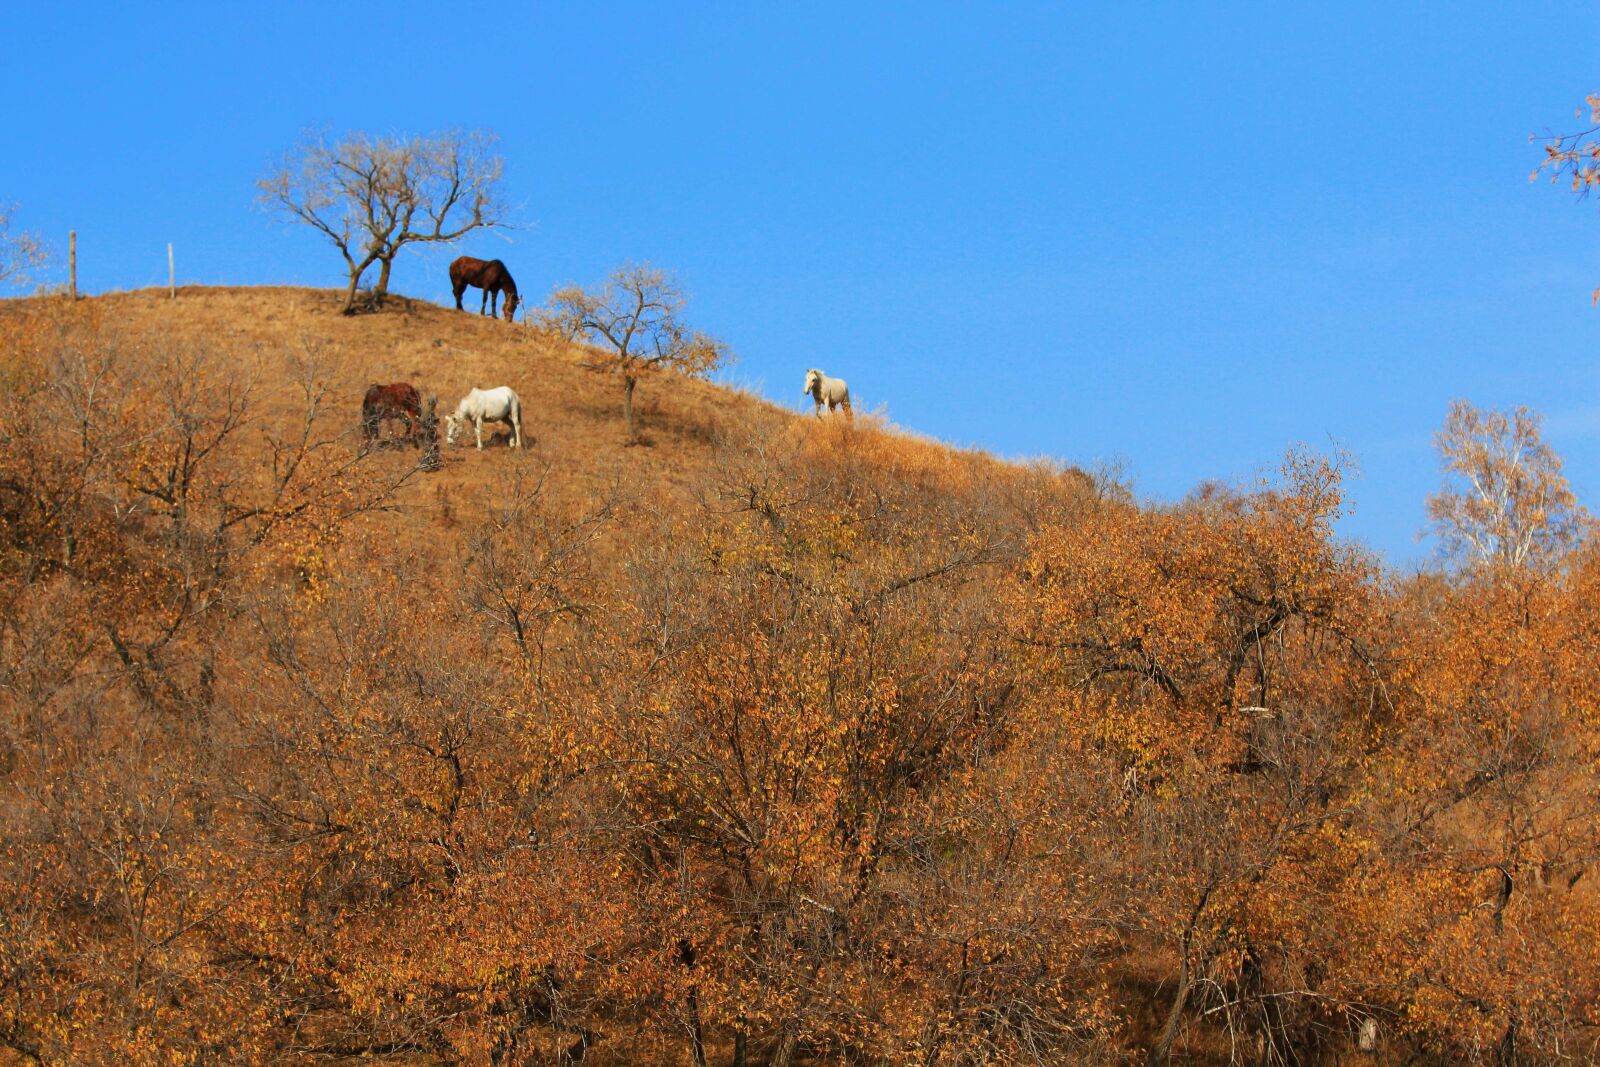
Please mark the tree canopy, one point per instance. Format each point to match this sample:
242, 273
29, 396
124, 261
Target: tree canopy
635, 317
371, 196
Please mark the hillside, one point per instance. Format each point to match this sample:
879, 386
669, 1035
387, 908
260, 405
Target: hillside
571, 404
768, 741
571, 411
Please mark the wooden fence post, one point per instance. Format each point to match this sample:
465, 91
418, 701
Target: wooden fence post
172, 278
72, 261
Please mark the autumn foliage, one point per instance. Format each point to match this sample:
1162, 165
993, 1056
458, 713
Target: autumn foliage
848, 748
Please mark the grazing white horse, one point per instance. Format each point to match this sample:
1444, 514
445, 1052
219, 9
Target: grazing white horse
500, 404
826, 390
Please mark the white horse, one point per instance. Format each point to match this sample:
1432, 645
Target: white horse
500, 404
826, 390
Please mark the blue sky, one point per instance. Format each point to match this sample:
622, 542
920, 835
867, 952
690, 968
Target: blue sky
1178, 236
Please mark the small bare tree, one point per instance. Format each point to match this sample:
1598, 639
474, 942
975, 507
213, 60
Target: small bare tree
372, 196
637, 316
19, 252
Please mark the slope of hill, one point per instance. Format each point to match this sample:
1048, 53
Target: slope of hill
772, 741
571, 403
571, 407
186, 479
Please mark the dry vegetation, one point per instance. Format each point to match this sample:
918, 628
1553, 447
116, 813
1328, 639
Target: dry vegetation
773, 742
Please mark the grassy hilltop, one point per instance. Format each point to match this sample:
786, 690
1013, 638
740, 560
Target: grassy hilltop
769, 741
571, 409
571, 403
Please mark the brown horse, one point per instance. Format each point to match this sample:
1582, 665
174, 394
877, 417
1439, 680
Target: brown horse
398, 400
489, 275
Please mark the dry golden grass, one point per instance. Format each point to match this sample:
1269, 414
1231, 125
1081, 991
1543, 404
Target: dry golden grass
572, 420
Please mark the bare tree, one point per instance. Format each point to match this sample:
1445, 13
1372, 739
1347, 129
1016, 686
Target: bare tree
637, 315
19, 252
1505, 501
372, 196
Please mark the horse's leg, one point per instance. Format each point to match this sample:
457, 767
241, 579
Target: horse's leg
516, 424
494, 303
484, 302
477, 429
459, 287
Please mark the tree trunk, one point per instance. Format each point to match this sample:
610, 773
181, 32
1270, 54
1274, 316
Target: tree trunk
783, 1055
577, 1050
697, 1038
356, 271
628, 382
739, 1041
350, 292
1506, 1054
1162, 1049
382, 289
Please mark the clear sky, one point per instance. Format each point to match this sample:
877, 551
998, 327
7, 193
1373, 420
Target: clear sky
1179, 236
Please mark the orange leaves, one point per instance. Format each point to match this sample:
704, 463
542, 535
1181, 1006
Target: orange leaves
1176, 610
1575, 156
848, 747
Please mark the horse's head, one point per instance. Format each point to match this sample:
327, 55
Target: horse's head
813, 379
510, 310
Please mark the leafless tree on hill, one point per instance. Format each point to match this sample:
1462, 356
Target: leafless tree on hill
372, 196
19, 252
637, 315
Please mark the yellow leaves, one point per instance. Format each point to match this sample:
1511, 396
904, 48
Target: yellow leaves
829, 729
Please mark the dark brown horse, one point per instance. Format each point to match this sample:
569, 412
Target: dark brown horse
489, 275
398, 400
